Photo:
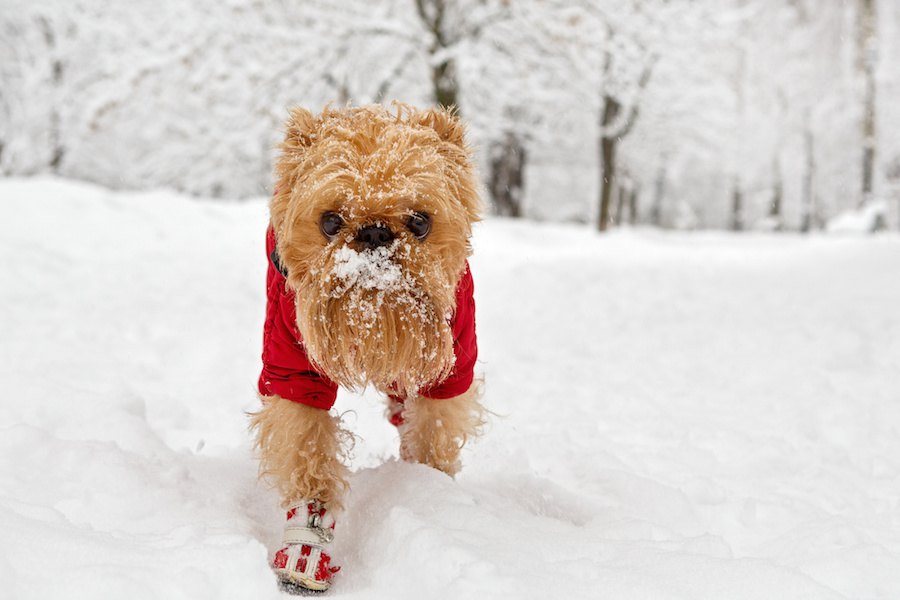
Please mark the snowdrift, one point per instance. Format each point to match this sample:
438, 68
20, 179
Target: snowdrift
677, 416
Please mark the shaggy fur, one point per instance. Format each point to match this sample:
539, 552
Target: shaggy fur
435, 431
372, 166
301, 450
387, 324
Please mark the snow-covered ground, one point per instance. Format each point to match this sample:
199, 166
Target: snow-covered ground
678, 415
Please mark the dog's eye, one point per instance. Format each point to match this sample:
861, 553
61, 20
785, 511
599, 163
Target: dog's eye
419, 224
330, 224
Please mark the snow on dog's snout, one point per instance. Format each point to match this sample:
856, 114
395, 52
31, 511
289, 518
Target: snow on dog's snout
371, 269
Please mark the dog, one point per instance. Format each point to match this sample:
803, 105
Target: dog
368, 283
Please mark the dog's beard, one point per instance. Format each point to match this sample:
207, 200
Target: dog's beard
378, 317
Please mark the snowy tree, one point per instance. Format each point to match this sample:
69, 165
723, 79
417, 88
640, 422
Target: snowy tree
614, 54
772, 114
483, 43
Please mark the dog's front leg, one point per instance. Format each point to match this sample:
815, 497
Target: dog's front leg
300, 451
434, 431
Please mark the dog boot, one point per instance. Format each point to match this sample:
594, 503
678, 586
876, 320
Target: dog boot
302, 564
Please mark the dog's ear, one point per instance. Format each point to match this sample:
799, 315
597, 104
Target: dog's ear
300, 128
446, 123
300, 131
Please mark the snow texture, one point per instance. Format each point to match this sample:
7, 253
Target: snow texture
677, 416
372, 269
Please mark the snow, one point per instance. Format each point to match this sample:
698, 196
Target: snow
677, 415
867, 219
373, 269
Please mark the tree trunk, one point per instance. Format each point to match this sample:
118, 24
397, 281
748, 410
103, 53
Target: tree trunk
607, 178
632, 206
737, 195
867, 51
444, 84
737, 206
609, 139
57, 150
507, 176
775, 206
446, 88
659, 193
608, 143
808, 207
621, 196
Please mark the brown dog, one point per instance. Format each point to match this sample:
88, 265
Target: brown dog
368, 284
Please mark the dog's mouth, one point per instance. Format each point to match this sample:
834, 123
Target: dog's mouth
369, 269
372, 284
378, 315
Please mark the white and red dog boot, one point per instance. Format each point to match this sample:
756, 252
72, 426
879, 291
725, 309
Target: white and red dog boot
302, 565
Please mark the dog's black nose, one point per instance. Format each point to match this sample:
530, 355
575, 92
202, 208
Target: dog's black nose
373, 236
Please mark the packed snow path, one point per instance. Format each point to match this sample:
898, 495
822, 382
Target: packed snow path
678, 416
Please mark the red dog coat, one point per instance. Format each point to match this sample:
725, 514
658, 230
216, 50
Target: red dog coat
288, 372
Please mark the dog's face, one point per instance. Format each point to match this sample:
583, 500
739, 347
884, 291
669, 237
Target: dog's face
372, 217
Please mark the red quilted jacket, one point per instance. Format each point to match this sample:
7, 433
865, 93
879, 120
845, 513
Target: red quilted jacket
288, 372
